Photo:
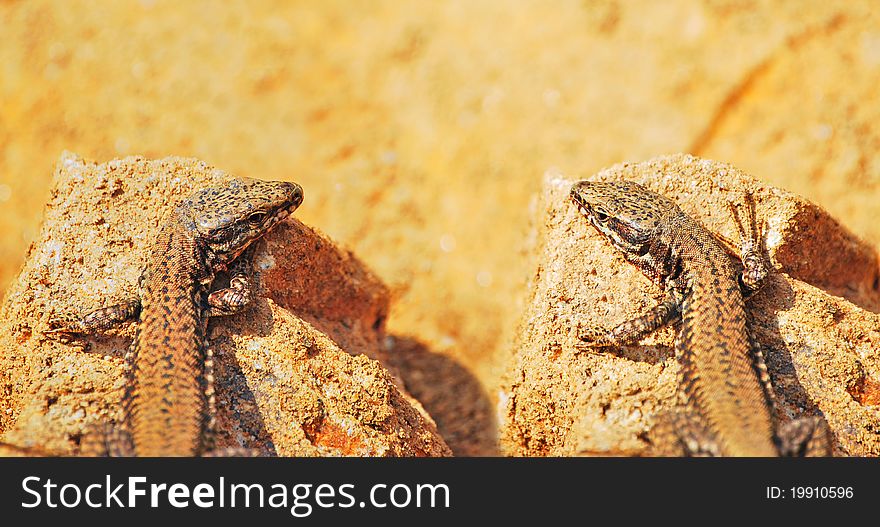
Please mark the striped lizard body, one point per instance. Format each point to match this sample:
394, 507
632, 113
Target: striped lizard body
168, 405
730, 398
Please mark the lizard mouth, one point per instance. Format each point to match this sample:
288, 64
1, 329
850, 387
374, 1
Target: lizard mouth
231, 249
282, 214
581, 203
621, 235
285, 212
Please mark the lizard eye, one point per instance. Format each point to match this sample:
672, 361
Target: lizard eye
257, 217
600, 214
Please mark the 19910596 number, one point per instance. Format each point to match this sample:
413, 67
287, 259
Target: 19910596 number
821, 492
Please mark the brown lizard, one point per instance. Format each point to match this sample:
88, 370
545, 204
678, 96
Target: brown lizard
724, 377
168, 403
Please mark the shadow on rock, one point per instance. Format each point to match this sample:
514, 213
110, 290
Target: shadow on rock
450, 393
239, 421
792, 399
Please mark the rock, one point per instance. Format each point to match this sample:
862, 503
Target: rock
816, 320
300, 373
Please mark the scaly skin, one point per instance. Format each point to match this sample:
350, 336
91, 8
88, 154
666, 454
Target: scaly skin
169, 396
725, 380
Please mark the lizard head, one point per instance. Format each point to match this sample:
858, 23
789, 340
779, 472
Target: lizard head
230, 217
625, 212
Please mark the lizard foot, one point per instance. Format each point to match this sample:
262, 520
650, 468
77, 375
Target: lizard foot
755, 264
593, 337
66, 331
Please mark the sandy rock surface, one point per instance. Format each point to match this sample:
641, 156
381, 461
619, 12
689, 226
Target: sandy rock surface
816, 320
301, 373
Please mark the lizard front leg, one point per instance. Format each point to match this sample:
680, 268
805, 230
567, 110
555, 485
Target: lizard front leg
112, 439
225, 302
97, 321
755, 265
240, 292
756, 268
633, 330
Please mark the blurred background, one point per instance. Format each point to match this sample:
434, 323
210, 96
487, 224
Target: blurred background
421, 130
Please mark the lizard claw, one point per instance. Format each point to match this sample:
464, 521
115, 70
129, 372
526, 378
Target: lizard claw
61, 325
593, 337
754, 272
755, 265
63, 330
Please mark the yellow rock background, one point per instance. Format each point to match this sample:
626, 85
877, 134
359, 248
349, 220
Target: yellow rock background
421, 130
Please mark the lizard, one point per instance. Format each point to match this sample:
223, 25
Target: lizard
730, 399
168, 403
